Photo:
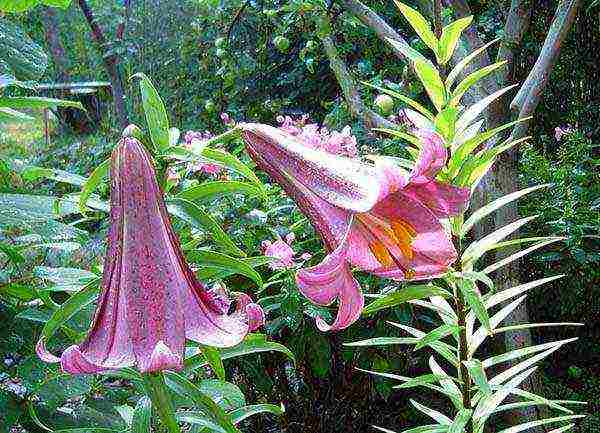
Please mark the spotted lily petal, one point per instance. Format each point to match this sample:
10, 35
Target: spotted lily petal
150, 300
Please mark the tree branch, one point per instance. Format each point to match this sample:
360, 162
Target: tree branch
236, 17
351, 94
97, 32
379, 26
515, 27
528, 97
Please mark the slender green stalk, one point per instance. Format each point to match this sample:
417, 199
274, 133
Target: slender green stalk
463, 348
154, 384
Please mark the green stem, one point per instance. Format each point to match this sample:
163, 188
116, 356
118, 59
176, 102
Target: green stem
154, 384
463, 347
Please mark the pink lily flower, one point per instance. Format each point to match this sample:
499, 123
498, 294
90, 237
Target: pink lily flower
283, 252
150, 300
375, 217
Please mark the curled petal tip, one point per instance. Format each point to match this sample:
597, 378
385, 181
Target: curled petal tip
162, 358
44, 354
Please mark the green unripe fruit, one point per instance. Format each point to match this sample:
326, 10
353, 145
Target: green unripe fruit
311, 45
221, 53
282, 43
385, 104
221, 42
210, 106
270, 13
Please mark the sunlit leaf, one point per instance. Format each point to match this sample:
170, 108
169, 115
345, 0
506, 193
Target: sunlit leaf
432, 413
242, 413
142, 416
403, 295
20, 102
437, 334
155, 112
430, 77
460, 421
219, 188
213, 357
421, 26
530, 424
477, 373
450, 36
92, 183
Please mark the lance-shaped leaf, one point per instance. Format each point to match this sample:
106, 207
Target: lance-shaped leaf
437, 334
432, 413
449, 386
517, 353
484, 211
527, 425
450, 36
240, 414
92, 183
155, 112
440, 347
381, 341
471, 113
460, 66
474, 300
522, 253
401, 296
421, 26
434, 86
460, 421
470, 80
142, 416
477, 372
218, 188
408, 101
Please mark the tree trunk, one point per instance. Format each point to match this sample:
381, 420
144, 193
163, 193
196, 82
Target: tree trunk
55, 46
111, 64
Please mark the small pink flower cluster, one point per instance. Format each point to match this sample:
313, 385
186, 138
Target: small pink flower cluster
193, 139
319, 137
282, 250
561, 131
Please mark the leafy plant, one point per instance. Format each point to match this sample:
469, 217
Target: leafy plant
468, 308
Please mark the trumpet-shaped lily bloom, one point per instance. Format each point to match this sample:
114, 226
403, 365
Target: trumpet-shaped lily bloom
150, 300
375, 217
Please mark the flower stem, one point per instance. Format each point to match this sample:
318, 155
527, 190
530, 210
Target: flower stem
154, 384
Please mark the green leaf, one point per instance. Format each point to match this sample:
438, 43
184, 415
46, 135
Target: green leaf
227, 395
142, 416
470, 80
181, 385
480, 247
477, 372
421, 26
401, 296
456, 71
63, 4
32, 173
450, 36
473, 298
253, 343
209, 190
530, 424
519, 254
445, 123
437, 334
432, 413
408, 51
156, 114
200, 419
223, 261
200, 219
219, 273
17, 5
20, 102
430, 77
517, 353
460, 421
69, 308
484, 211
218, 157
400, 134
471, 113
212, 355
381, 341
92, 182
440, 347
10, 115
422, 380
242, 413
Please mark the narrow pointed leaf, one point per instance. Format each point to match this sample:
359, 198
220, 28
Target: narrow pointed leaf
403, 295
430, 77
242, 413
473, 298
212, 355
11, 115
142, 416
452, 390
484, 211
460, 421
522, 253
440, 347
480, 247
182, 385
471, 113
422, 380
155, 112
470, 80
432, 413
460, 66
437, 334
99, 173
528, 425
517, 353
406, 50
488, 404
477, 372
535, 325
222, 261
399, 134
420, 24
200, 219
381, 341
517, 368
450, 36
20, 102
199, 418
210, 190
562, 429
